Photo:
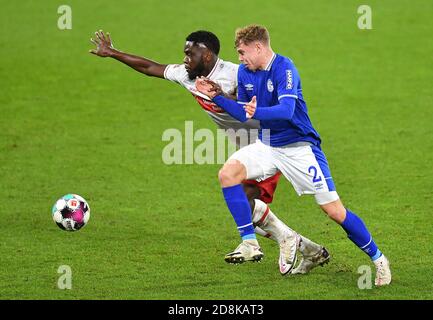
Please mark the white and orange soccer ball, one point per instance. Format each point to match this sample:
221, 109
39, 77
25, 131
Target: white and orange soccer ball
71, 212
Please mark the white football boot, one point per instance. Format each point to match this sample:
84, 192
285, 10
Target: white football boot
246, 251
288, 248
383, 272
310, 261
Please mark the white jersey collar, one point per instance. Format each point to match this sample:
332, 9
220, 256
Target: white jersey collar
269, 65
214, 68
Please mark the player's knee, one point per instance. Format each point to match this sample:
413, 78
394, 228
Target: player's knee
227, 178
231, 174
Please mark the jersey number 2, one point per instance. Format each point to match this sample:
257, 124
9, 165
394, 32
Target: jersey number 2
315, 178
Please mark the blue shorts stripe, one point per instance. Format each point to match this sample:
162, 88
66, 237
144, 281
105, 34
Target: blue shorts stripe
323, 163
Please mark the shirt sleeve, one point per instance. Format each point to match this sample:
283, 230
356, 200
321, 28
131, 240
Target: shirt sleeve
234, 108
282, 111
175, 72
242, 96
287, 81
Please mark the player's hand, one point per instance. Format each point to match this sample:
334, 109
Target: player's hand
250, 107
208, 87
104, 46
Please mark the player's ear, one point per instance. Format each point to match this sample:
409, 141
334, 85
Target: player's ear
208, 56
258, 46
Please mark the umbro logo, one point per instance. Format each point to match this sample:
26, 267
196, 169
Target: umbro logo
249, 86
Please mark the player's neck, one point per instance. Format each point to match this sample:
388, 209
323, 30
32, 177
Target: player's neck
267, 57
207, 70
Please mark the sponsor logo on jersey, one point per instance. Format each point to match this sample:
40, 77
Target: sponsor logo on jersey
249, 86
289, 79
270, 85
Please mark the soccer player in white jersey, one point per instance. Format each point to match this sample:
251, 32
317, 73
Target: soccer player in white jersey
269, 89
201, 59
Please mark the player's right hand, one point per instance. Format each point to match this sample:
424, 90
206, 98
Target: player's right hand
208, 87
104, 46
250, 108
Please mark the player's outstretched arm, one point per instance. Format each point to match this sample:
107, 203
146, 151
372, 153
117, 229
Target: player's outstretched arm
104, 48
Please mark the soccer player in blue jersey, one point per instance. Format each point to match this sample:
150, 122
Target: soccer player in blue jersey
269, 90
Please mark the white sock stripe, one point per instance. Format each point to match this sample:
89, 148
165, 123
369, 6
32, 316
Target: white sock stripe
371, 238
246, 225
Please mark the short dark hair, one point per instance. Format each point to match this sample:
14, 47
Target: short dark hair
207, 38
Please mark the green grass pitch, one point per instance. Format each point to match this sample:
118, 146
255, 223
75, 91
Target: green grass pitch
71, 122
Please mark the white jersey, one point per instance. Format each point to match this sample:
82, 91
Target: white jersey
225, 74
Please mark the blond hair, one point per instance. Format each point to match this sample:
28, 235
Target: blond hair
250, 34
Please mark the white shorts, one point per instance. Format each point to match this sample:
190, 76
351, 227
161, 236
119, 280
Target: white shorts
302, 163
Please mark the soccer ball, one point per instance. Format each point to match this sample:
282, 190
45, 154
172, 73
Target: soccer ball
71, 212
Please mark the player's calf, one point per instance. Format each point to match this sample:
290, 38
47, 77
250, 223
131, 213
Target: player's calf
287, 239
358, 233
335, 210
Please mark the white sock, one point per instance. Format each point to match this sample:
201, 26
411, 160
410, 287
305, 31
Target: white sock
263, 233
267, 223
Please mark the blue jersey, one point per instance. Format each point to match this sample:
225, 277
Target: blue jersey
279, 80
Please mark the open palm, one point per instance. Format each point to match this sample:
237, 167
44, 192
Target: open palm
104, 46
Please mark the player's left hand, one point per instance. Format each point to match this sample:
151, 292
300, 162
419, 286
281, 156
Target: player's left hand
250, 107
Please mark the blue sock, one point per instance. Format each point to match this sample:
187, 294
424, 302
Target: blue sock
359, 235
240, 209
